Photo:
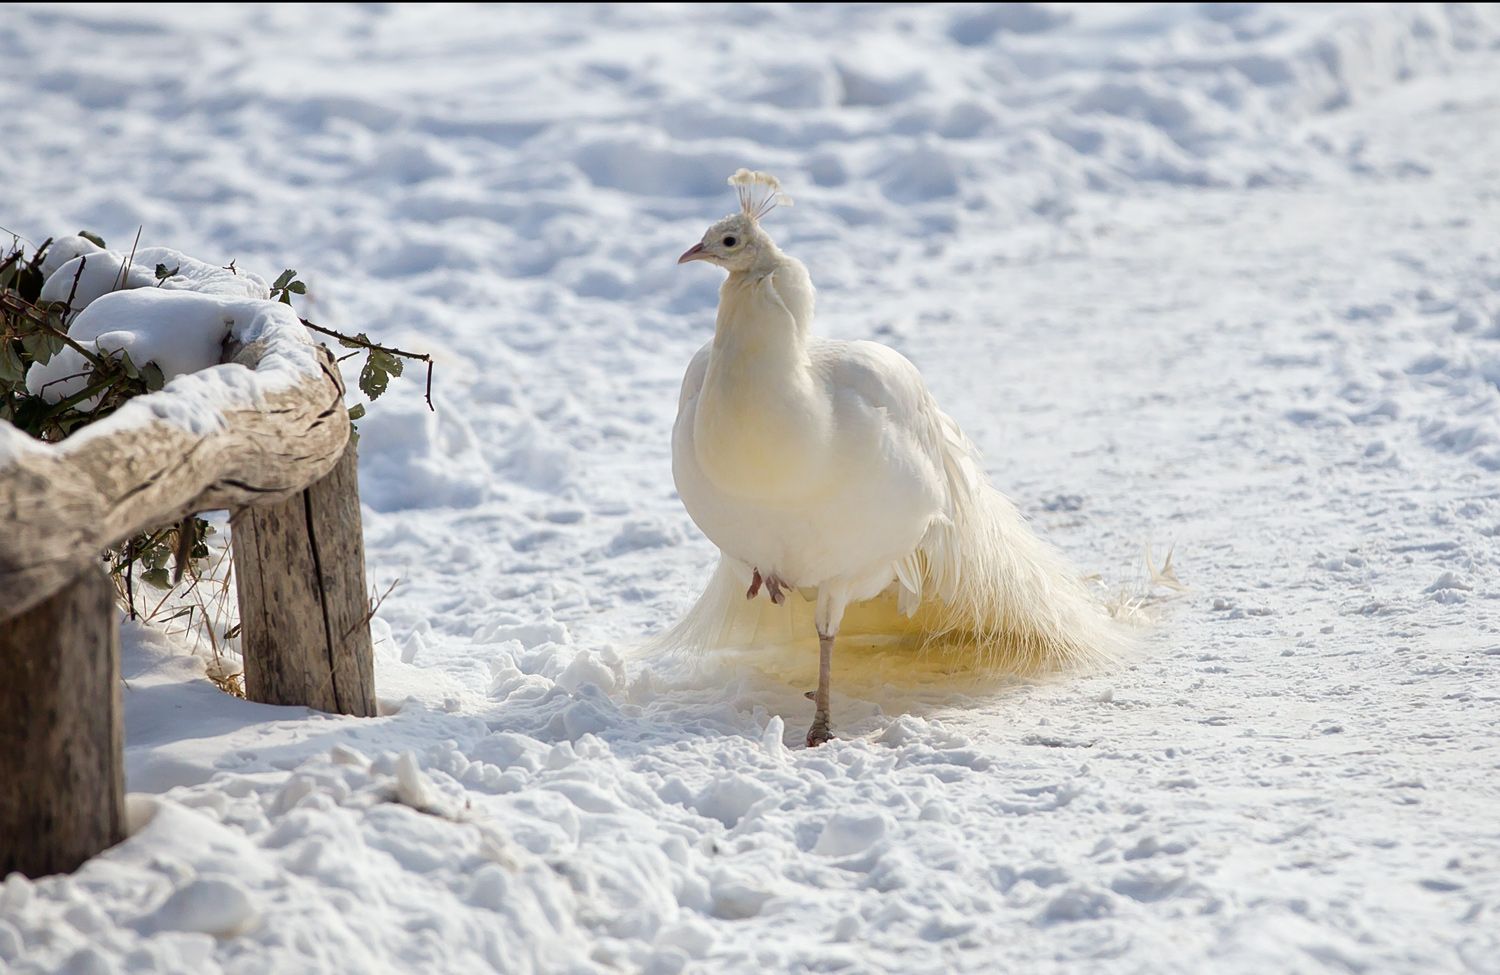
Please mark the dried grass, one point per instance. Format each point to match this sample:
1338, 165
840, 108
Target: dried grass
201, 611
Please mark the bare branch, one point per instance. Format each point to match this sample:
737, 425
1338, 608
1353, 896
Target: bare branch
356, 341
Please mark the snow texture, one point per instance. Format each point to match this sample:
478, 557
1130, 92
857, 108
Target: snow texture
1224, 277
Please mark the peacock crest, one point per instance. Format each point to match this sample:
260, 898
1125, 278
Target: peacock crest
760, 193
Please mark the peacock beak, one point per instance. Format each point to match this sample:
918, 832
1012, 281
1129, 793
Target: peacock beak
694, 253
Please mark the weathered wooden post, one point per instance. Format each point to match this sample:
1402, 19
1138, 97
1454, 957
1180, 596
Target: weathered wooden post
299, 570
216, 444
62, 771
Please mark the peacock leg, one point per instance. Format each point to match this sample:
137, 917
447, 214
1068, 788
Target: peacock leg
821, 729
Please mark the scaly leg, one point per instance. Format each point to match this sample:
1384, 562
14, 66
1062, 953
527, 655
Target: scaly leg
754, 586
821, 729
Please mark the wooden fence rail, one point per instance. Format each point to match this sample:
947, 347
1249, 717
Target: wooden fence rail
282, 466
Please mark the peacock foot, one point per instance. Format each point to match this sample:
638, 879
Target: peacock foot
820, 730
775, 588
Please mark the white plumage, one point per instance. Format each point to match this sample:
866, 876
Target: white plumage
828, 477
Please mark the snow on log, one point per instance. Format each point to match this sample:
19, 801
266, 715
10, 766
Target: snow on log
257, 422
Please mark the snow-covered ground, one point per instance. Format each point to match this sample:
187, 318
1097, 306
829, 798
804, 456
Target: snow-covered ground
1224, 278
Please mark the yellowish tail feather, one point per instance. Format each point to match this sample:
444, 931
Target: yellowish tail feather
984, 598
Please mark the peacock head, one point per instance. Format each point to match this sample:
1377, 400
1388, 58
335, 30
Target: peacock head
737, 243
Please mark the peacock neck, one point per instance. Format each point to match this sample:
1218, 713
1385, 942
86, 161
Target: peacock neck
760, 418
763, 315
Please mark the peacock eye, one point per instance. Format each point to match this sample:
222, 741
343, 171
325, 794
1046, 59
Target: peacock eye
730, 241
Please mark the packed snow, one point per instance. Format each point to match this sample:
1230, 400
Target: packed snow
1222, 280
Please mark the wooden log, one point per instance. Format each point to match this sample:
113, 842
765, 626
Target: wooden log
62, 504
299, 569
62, 782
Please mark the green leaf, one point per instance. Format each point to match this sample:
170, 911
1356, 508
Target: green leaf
128, 366
30, 340
37, 346
373, 379
357, 411
151, 374
284, 280
286, 299
297, 288
388, 362
352, 344
157, 578
156, 556
376, 375
162, 273
11, 368
86, 235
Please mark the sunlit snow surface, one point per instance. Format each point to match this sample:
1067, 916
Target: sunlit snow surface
1224, 278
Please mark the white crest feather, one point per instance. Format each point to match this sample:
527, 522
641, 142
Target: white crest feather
760, 193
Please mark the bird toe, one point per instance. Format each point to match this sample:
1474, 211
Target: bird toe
820, 732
